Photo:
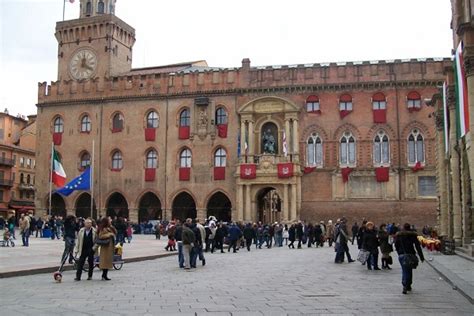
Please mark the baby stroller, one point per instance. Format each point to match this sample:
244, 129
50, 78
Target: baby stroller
9, 242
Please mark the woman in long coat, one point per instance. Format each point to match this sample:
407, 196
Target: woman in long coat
106, 231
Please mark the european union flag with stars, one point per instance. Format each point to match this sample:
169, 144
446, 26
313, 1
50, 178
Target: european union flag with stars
82, 182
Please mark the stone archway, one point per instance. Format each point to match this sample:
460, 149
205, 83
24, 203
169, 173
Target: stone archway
117, 206
83, 206
220, 206
184, 207
269, 205
149, 208
58, 205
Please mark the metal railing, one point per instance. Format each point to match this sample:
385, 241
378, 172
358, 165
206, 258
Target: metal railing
7, 162
7, 183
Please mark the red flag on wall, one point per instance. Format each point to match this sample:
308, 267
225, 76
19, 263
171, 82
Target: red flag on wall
183, 132
308, 169
150, 134
184, 174
248, 171
380, 116
57, 138
344, 113
382, 174
417, 167
285, 170
219, 173
345, 172
222, 130
150, 174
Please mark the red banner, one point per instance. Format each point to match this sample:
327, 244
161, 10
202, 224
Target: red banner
413, 109
344, 113
222, 130
345, 172
380, 116
150, 174
57, 138
285, 170
183, 132
219, 173
248, 171
184, 174
308, 169
382, 174
417, 167
150, 134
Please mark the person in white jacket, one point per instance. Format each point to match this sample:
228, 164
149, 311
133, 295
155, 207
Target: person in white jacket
85, 249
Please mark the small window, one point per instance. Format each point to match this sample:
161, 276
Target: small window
100, 7
88, 8
427, 186
22, 178
152, 120
28, 163
345, 102
381, 148
416, 147
379, 102
221, 116
185, 158
58, 125
314, 150
28, 179
185, 118
85, 124
85, 161
413, 100
220, 158
117, 162
152, 159
117, 122
22, 161
347, 149
312, 104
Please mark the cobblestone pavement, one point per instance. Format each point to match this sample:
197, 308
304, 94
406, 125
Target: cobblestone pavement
275, 281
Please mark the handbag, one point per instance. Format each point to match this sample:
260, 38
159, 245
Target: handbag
408, 260
363, 256
102, 242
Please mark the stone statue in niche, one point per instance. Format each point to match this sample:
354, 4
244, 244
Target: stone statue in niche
202, 122
268, 142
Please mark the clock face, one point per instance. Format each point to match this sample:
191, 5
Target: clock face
83, 64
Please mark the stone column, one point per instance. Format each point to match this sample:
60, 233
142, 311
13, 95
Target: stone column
296, 147
251, 141
287, 133
286, 210
242, 140
293, 202
442, 187
248, 209
240, 202
201, 213
456, 187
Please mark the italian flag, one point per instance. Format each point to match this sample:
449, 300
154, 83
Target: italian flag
58, 175
462, 104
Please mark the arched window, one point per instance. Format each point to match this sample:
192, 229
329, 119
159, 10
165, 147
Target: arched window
88, 8
152, 120
85, 160
22, 178
416, 147
28, 179
345, 102
348, 149
314, 151
185, 158
184, 118
85, 124
381, 148
379, 102
221, 116
151, 159
117, 162
58, 125
312, 104
220, 157
100, 7
117, 122
413, 101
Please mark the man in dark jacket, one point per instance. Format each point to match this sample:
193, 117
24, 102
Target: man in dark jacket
234, 235
405, 242
249, 235
188, 242
179, 240
370, 243
355, 230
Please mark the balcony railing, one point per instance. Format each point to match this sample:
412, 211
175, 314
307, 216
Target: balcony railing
26, 186
273, 159
6, 183
6, 162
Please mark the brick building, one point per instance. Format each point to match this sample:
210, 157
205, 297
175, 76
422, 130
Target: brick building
311, 142
17, 163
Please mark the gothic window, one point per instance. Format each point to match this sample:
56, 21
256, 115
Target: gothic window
152, 159
88, 8
22, 178
152, 120
379, 102
100, 7
413, 100
221, 116
117, 162
185, 158
58, 125
85, 160
117, 122
28, 179
220, 158
312, 104
314, 151
345, 102
185, 118
416, 147
347, 149
381, 148
85, 124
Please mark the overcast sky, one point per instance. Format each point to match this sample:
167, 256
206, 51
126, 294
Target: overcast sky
223, 32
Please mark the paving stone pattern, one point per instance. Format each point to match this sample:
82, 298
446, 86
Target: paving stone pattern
275, 281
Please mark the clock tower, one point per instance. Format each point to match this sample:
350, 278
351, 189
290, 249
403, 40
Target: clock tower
96, 45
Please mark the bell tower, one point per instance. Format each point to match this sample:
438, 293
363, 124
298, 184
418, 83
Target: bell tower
96, 45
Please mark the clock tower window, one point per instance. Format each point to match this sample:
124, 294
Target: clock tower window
100, 7
88, 8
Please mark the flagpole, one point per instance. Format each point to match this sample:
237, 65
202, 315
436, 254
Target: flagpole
51, 178
64, 8
92, 180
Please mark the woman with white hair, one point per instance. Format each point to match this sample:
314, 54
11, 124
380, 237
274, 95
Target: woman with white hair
330, 232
